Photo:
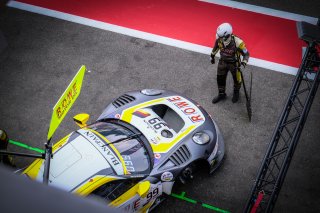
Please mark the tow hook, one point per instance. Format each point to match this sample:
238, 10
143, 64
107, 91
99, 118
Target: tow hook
186, 175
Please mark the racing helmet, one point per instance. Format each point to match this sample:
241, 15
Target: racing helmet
224, 31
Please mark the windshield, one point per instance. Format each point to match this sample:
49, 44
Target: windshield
133, 151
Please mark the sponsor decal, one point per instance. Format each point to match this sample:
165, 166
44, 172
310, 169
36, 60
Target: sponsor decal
137, 176
154, 141
157, 123
157, 155
136, 205
128, 162
188, 108
141, 113
166, 176
149, 126
104, 149
154, 192
67, 100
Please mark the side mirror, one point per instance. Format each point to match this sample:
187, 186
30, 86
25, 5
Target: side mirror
144, 188
81, 119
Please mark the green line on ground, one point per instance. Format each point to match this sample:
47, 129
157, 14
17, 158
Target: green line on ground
182, 197
214, 208
26, 146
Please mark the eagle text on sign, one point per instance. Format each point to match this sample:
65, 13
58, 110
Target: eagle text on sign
66, 101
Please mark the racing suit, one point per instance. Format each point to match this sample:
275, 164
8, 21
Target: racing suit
229, 60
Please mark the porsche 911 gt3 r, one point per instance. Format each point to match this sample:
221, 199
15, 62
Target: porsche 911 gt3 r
131, 156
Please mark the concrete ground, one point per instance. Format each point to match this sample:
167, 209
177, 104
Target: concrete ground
43, 54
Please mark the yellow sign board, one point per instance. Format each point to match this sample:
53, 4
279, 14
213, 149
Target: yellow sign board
66, 101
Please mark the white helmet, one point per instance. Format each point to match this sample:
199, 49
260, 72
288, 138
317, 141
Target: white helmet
224, 31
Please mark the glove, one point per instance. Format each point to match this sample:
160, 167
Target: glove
213, 60
244, 64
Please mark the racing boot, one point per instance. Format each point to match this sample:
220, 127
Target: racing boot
235, 97
219, 97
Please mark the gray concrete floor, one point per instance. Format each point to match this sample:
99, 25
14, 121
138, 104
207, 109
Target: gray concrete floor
44, 53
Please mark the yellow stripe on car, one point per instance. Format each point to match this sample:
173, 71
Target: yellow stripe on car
127, 114
33, 170
59, 144
92, 184
165, 147
126, 196
114, 149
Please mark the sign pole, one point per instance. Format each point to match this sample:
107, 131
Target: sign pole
60, 110
47, 159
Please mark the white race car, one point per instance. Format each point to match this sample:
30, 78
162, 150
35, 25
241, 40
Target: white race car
132, 155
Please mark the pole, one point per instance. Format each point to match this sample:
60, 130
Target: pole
248, 99
21, 154
48, 154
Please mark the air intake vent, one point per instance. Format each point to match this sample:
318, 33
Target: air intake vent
123, 100
180, 156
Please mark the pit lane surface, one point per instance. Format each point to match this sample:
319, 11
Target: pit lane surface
188, 24
44, 53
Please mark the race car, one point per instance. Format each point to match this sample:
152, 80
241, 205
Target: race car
131, 156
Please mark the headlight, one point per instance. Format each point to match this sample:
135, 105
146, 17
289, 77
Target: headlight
201, 138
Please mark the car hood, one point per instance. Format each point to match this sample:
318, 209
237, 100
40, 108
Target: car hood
179, 116
80, 157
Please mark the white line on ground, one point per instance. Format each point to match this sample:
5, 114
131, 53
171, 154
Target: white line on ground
263, 10
146, 36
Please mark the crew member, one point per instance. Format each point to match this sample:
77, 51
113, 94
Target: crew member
231, 49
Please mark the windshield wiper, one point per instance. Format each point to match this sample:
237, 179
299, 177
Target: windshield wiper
127, 138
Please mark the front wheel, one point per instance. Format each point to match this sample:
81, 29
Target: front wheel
187, 173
